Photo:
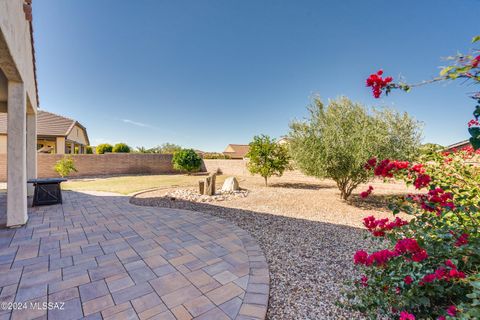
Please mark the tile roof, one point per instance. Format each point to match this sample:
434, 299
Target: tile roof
48, 124
239, 150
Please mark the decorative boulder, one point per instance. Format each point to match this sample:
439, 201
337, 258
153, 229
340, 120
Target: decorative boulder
230, 185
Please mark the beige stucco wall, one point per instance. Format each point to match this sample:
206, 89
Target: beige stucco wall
3, 144
15, 31
78, 135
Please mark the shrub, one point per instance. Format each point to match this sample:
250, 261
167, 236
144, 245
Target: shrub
336, 141
186, 160
89, 150
430, 266
65, 166
121, 148
104, 147
267, 158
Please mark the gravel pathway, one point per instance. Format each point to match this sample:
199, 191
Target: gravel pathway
307, 234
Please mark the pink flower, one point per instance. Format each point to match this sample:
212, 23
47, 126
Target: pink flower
366, 193
408, 280
364, 281
360, 257
462, 240
404, 315
452, 311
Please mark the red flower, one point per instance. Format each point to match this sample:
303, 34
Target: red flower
366, 193
380, 258
360, 257
452, 311
475, 61
404, 315
378, 83
408, 280
422, 181
371, 163
462, 240
418, 168
378, 226
450, 264
364, 281
409, 245
473, 122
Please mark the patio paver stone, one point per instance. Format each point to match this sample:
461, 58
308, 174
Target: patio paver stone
102, 257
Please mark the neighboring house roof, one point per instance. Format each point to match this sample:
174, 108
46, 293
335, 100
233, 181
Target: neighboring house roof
458, 145
48, 124
236, 150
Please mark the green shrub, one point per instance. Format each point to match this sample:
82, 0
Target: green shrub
267, 158
104, 147
88, 150
121, 148
65, 166
186, 160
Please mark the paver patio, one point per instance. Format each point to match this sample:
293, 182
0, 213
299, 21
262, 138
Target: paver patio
98, 256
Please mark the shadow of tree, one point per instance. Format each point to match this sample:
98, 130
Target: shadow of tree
301, 185
374, 201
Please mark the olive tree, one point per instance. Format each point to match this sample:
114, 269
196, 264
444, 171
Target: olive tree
336, 141
267, 158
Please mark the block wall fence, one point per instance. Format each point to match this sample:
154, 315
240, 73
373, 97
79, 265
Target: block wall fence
95, 165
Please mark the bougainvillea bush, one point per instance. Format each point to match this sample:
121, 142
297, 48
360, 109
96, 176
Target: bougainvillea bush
429, 268
429, 265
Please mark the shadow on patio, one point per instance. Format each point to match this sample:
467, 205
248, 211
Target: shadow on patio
308, 260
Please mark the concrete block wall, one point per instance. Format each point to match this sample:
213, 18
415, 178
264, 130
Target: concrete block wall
93, 165
89, 165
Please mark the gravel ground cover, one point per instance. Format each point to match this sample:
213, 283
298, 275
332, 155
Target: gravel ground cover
308, 236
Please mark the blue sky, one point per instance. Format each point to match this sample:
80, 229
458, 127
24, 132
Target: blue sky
205, 73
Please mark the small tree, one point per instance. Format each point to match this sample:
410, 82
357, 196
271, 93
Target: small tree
89, 150
267, 158
65, 166
104, 147
121, 148
186, 160
337, 141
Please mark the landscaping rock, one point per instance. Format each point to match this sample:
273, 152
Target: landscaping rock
230, 185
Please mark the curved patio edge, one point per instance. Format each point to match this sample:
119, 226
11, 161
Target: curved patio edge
109, 258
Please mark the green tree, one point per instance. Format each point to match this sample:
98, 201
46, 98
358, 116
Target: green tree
121, 148
186, 160
65, 166
104, 147
336, 141
169, 148
89, 150
429, 148
267, 158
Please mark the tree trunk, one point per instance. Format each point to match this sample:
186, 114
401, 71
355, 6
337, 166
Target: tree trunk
266, 182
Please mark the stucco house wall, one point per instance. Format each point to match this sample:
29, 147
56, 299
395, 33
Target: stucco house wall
78, 135
15, 30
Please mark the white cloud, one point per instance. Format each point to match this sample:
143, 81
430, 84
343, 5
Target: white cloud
138, 124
